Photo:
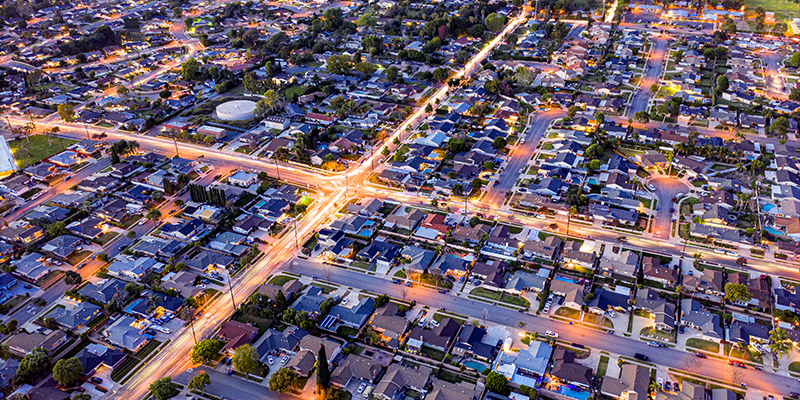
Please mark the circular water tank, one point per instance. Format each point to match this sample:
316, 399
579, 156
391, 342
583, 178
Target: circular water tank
236, 110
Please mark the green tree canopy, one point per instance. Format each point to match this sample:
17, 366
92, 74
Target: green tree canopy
245, 359
205, 350
67, 371
282, 380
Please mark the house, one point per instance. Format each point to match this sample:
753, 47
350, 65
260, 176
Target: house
709, 282
235, 334
748, 333
527, 367
103, 292
313, 343
689, 391
88, 228
407, 221
654, 271
398, 378
381, 253
133, 269
547, 249
604, 300
157, 304
633, 383
310, 301
302, 363
627, 264
388, 323
182, 282
437, 338
571, 291
208, 261
416, 259
96, 356
126, 334
566, 371
524, 281
289, 289
62, 246
22, 343
229, 243
273, 341
242, 178
469, 344
662, 312
31, 267
574, 257
115, 211
76, 317
451, 264
354, 317
695, 316
357, 368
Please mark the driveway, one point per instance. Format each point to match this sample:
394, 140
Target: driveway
666, 188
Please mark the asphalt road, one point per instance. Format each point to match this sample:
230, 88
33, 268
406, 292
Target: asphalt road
519, 157
651, 75
773, 77
666, 189
667, 357
231, 387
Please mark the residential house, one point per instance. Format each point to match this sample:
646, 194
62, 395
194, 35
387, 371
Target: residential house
469, 344
235, 334
22, 343
76, 317
389, 324
437, 338
694, 315
354, 316
566, 371
604, 300
125, 333
633, 383
398, 379
355, 367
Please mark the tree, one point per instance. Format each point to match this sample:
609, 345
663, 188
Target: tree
162, 389
779, 342
164, 94
494, 22
245, 359
82, 396
5, 351
523, 75
102, 257
190, 69
722, 84
599, 117
737, 292
154, 214
66, 112
67, 371
122, 90
392, 73
33, 364
323, 371
282, 380
366, 69
499, 143
458, 190
205, 350
779, 126
366, 20
72, 278
497, 383
200, 381
641, 116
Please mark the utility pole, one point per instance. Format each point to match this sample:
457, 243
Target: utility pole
346, 186
296, 244
230, 287
86, 127
277, 170
176, 146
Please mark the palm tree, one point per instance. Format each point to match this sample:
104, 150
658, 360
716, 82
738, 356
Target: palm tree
654, 387
779, 342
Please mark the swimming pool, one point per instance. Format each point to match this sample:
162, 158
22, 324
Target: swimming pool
475, 365
566, 391
563, 279
592, 181
773, 231
767, 206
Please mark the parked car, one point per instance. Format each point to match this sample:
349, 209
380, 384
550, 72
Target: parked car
611, 314
434, 322
551, 334
422, 322
700, 355
361, 387
96, 380
270, 359
641, 357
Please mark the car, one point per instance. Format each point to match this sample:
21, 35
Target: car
478, 282
96, 380
81, 266
346, 299
28, 286
551, 334
361, 387
641, 357
759, 368
217, 176
679, 195
396, 281
442, 291
674, 198
434, 322
654, 344
521, 170
284, 360
611, 314
671, 210
651, 187
700, 355
422, 322
660, 381
409, 284
461, 279
691, 273
667, 386
794, 395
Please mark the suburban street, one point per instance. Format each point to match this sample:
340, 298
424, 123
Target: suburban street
651, 75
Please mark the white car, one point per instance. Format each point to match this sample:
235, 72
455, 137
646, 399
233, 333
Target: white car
362, 387
346, 299
284, 360
611, 313
551, 334
421, 322
679, 195
650, 185
270, 360
434, 322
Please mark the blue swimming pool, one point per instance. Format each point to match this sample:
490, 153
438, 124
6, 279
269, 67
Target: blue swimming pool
475, 365
563, 279
767, 206
566, 391
773, 231
592, 181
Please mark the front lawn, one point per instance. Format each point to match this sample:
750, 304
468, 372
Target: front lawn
567, 312
32, 149
280, 280
488, 294
705, 345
